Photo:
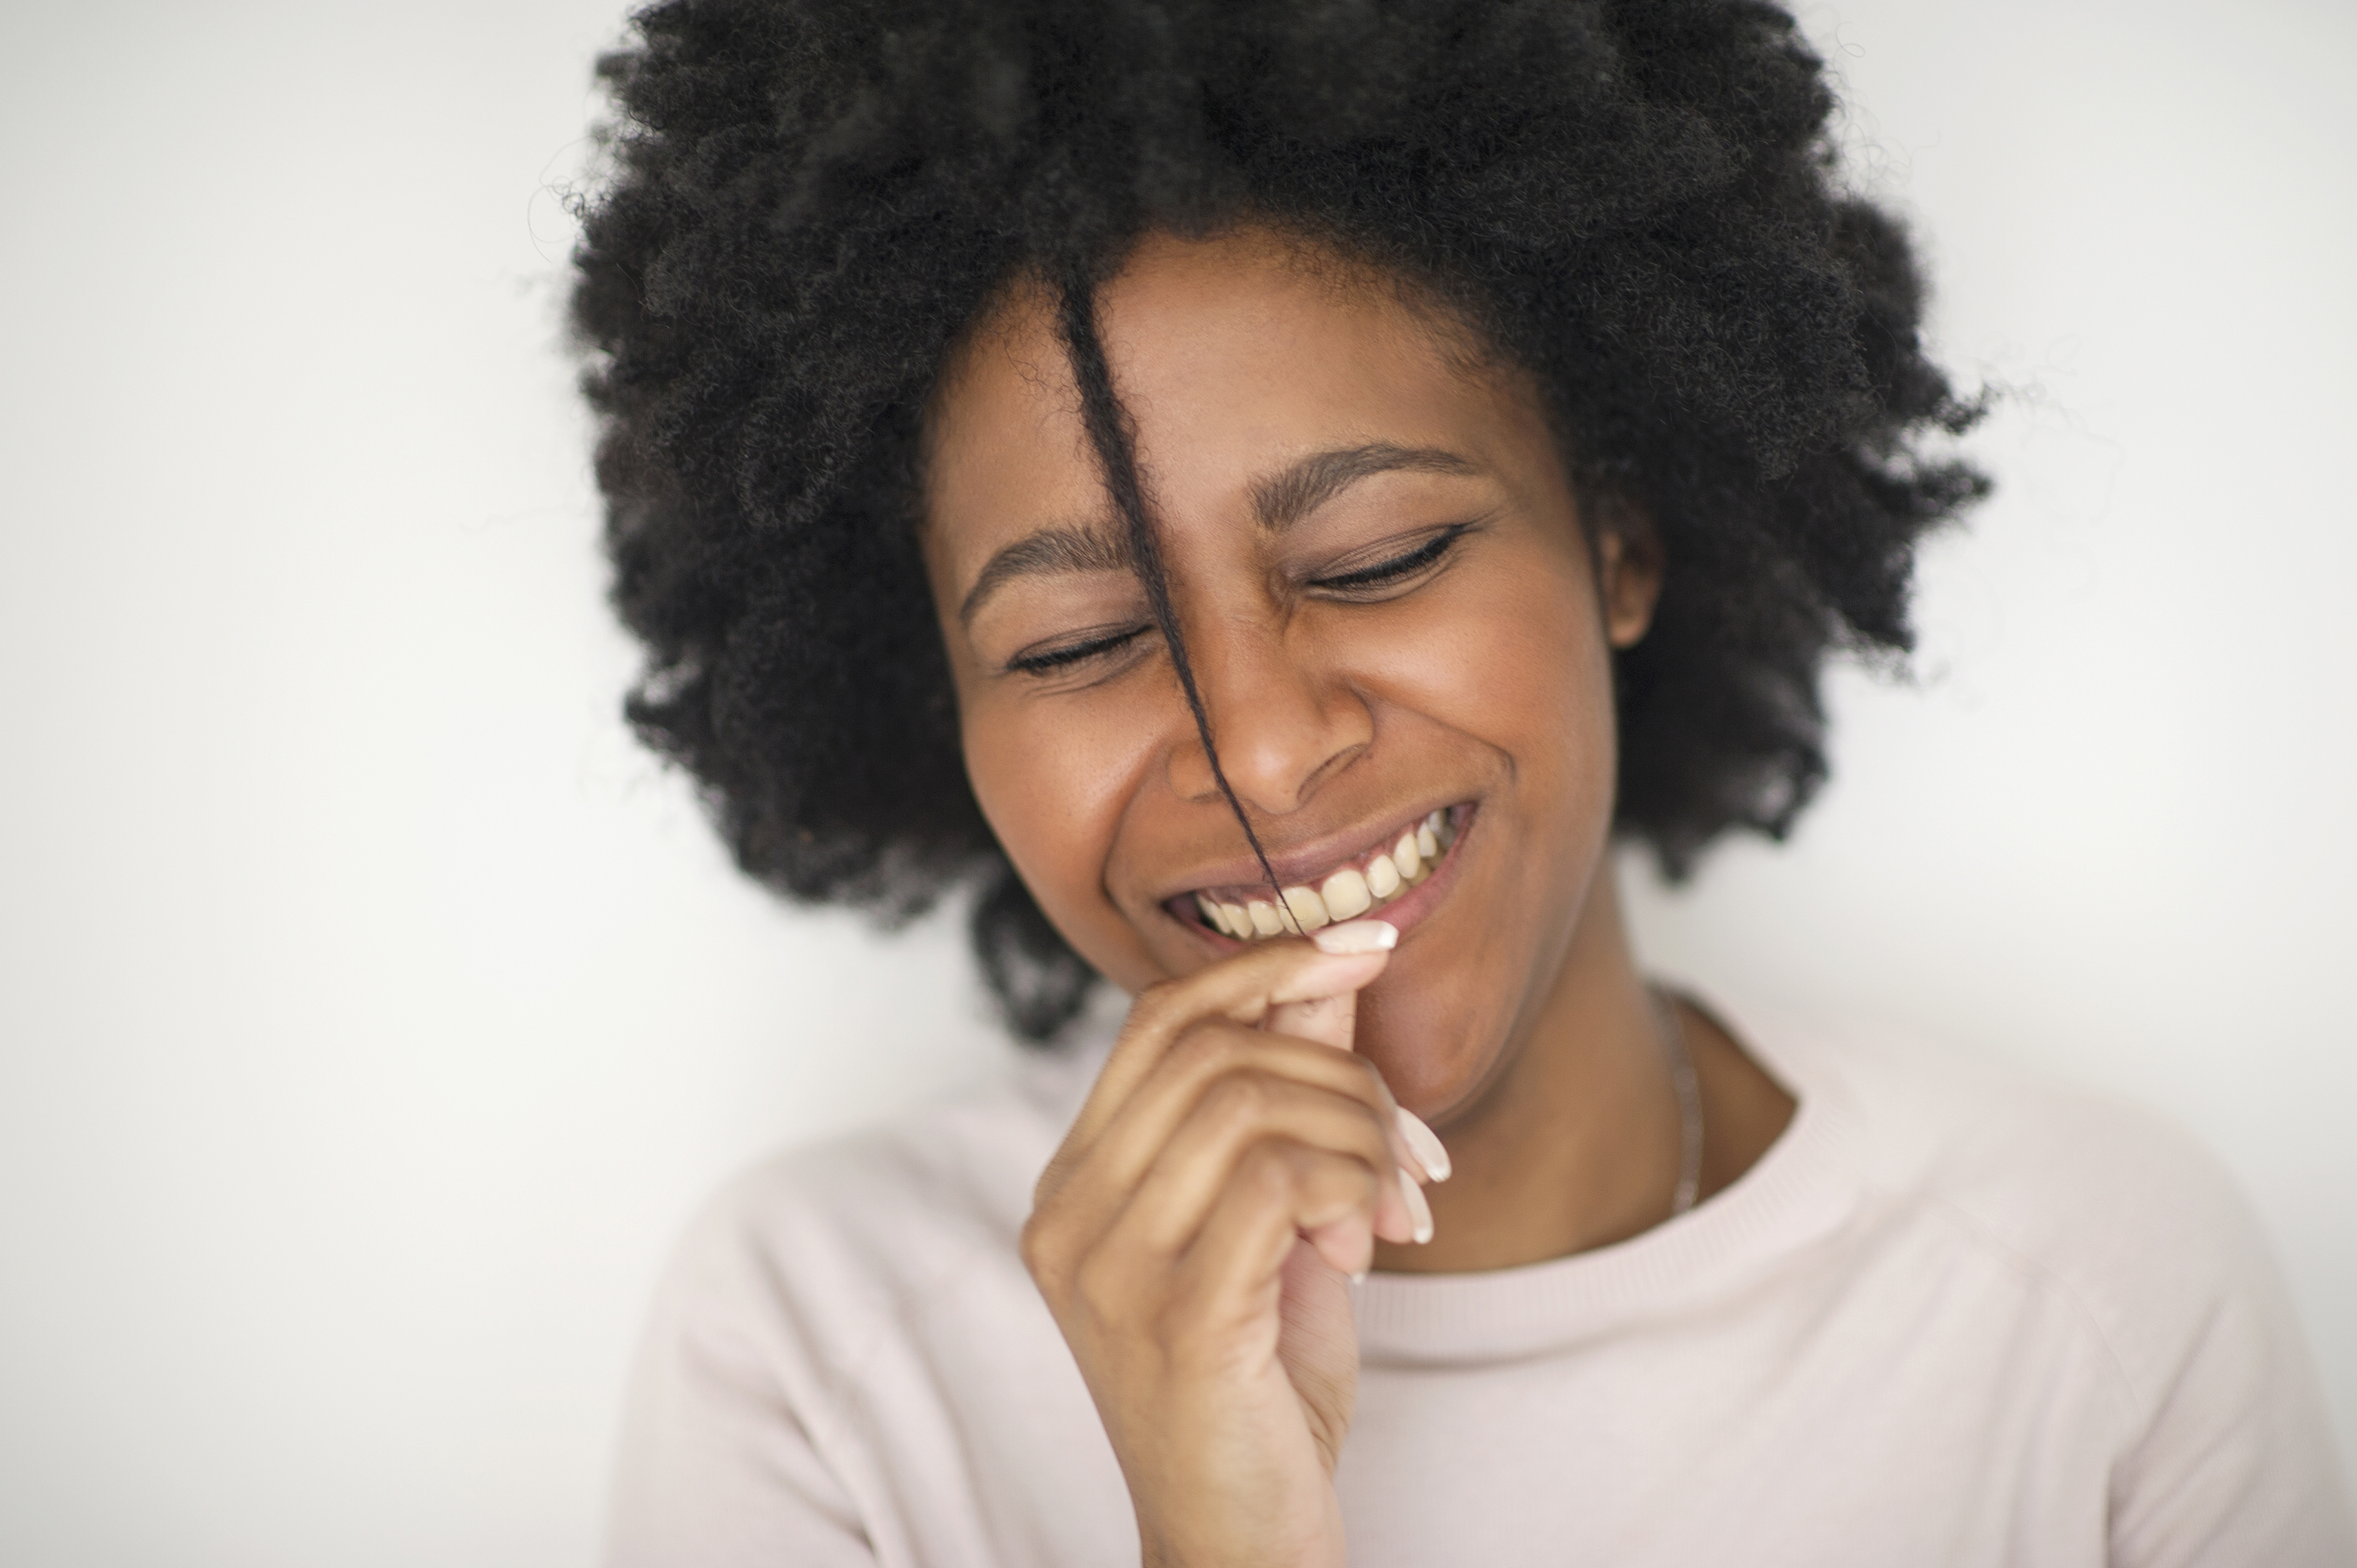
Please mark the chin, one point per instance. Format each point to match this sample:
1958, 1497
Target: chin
1436, 1049
1448, 1021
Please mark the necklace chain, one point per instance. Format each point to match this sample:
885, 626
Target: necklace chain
1689, 1093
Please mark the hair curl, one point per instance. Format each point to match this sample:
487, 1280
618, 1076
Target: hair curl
1633, 200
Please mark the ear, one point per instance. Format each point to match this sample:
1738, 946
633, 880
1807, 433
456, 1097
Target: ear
1628, 579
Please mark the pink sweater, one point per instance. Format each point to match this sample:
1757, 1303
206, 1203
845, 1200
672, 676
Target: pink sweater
1951, 1317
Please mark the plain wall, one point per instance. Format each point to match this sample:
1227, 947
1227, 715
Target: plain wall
373, 1014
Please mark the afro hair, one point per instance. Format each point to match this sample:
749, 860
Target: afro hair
1634, 202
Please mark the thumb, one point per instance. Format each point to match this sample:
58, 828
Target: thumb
1332, 1020
1328, 1020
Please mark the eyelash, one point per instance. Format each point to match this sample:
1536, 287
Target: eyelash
1079, 652
1403, 565
1380, 575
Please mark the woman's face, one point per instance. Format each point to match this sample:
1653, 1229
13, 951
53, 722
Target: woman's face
1390, 607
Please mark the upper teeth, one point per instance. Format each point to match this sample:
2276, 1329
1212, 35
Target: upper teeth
1344, 895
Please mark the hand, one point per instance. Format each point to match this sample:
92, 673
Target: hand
1192, 1235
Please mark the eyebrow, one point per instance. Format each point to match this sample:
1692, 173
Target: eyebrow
1279, 501
1082, 549
1284, 499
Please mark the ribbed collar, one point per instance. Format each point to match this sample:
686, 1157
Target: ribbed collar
1802, 1190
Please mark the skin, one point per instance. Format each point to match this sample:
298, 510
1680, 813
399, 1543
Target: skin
1239, 1156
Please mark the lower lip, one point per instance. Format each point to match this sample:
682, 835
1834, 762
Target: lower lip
1401, 914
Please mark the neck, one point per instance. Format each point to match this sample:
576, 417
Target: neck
1574, 1144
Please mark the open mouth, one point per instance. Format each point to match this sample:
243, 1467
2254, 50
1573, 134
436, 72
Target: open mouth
1354, 889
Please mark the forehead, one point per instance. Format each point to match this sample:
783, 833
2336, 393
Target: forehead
1231, 356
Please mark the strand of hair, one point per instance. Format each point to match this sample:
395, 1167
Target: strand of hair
1101, 411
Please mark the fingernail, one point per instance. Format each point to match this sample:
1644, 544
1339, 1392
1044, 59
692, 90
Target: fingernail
1419, 1213
1357, 936
1424, 1143
1359, 1278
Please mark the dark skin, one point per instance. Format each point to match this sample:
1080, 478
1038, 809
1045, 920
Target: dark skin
1394, 607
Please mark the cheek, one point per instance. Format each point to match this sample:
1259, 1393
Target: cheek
1550, 683
1054, 778
1512, 660
1509, 689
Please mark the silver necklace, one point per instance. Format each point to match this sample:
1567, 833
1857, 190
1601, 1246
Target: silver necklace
1689, 1092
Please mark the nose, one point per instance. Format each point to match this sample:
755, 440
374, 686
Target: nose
1285, 720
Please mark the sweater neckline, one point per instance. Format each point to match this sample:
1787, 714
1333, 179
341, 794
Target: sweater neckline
1808, 1183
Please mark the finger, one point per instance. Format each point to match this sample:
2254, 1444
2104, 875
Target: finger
1100, 1179
1327, 1020
1330, 1020
1240, 990
1234, 1118
1280, 1193
1333, 1021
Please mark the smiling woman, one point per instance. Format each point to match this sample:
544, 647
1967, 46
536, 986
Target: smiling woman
1270, 493
1397, 614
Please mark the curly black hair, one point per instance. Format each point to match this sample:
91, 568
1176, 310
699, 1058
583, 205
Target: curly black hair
1633, 201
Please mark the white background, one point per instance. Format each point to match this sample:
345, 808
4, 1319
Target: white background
372, 1013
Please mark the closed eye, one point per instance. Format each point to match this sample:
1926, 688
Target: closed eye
1048, 661
1398, 568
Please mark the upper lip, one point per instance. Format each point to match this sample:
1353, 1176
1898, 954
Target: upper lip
1304, 862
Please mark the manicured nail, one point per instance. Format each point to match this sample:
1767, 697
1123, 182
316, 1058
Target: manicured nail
1357, 936
1424, 1143
1419, 1213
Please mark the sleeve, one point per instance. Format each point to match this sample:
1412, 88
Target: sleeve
719, 1466
2236, 1465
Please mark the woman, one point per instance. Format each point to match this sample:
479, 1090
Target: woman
1270, 492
